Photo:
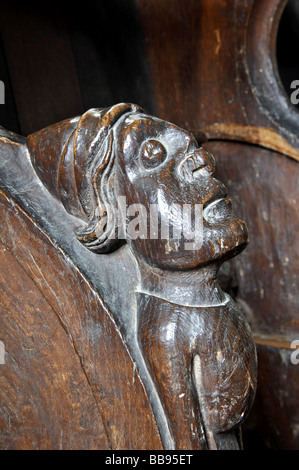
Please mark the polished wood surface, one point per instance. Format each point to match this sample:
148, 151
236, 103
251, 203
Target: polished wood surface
217, 74
210, 67
185, 337
68, 381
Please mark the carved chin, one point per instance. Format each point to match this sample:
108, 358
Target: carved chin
226, 237
226, 234
220, 241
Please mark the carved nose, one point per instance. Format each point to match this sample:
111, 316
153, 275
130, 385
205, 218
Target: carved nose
199, 164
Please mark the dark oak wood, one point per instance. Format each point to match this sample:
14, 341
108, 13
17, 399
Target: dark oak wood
267, 199
46, 400
216, 73
187, 340
223, 58
38, 49
65, 360
211, 68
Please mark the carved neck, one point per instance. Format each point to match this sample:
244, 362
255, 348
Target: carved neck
196, 288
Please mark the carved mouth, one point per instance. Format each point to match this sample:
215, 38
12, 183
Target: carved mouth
217, 208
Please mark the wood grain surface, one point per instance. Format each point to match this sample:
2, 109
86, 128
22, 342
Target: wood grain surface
209, 66
68, 381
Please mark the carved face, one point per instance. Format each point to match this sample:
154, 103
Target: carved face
160, 164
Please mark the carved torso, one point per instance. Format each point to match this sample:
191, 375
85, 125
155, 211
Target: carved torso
209, 357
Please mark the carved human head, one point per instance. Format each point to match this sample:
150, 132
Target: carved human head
122, 154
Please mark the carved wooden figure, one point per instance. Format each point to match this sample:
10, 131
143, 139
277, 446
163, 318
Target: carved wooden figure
149, 226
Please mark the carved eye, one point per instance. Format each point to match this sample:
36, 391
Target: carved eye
153, 153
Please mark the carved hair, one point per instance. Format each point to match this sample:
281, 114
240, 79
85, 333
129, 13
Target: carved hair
75, 160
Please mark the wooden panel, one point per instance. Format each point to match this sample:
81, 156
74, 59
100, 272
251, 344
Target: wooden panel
213, 69
63, 61
287, 42
274, 421
263, 186
85, 336
41, 65
109, 54
46, 400
8, 112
